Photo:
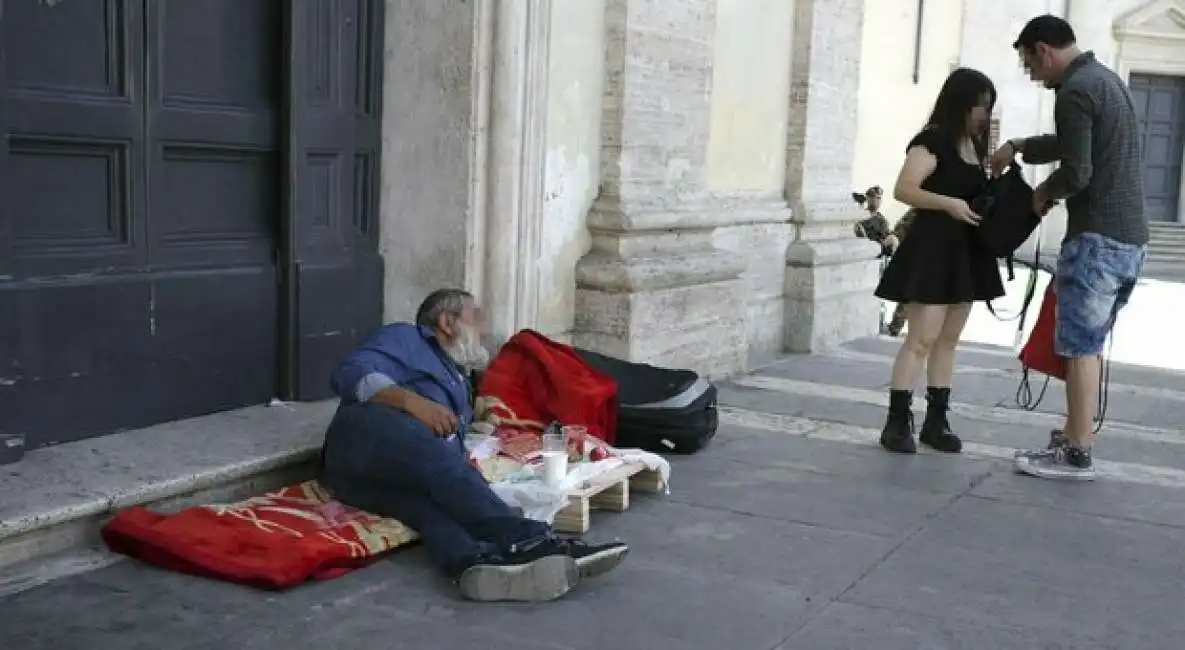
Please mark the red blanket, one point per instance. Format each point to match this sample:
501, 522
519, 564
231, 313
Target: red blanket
275, 541
535, 381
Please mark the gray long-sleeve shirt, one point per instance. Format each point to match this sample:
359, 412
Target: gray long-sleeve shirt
1098, 146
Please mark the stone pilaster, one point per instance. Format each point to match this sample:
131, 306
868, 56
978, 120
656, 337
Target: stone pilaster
830, 275
654, 288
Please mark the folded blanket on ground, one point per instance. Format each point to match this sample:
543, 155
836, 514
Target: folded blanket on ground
275, 541
533, 381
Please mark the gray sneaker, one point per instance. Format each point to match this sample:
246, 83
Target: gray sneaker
1057, 440
533, 577
1066, 463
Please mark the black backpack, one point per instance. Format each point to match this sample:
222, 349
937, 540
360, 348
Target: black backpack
1006, 208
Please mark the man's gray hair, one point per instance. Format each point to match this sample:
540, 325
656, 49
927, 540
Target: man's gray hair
449, 302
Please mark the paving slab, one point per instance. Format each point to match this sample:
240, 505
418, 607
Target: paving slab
1032, 568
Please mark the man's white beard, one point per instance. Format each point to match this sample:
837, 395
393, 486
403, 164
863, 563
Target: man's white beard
468, 351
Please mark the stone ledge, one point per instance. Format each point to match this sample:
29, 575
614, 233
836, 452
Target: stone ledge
609, 273
56, 497
701, 211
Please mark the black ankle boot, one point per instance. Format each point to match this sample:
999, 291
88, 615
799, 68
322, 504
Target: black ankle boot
936, 431
897, 436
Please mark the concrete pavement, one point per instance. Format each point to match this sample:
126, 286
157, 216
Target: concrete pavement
794, 531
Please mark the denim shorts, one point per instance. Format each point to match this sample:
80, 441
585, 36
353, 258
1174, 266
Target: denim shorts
1095, 279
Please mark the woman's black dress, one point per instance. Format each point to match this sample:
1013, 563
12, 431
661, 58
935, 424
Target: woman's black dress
940, 262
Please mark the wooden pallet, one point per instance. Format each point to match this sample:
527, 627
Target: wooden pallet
609, 491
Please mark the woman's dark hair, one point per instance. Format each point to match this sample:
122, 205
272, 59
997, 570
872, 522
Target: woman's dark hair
962, 91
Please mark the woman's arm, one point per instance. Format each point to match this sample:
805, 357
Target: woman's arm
919, 165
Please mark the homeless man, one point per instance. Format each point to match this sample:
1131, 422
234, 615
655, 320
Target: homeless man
395, 448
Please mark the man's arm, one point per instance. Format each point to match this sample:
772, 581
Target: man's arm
1037, 150
358, 378
1075, 126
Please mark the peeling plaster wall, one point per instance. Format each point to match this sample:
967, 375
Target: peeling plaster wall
427, 110
575, 81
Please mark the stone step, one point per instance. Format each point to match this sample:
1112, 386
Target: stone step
1167, 236
54, 501
1166, 254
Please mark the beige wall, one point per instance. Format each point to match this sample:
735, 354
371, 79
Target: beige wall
892, 107
750, 95
575, 82
747, 150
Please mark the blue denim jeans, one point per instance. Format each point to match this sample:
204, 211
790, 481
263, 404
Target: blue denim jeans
388, 463
1095, 279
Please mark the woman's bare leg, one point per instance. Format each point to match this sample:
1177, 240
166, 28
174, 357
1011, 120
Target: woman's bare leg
925, 324
940, 367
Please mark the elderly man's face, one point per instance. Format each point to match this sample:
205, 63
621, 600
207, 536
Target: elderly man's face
462, 336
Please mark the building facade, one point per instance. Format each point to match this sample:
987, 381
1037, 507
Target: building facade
910, 47
662, 181
204, 209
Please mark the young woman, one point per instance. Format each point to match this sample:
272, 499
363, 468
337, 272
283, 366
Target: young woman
939, 271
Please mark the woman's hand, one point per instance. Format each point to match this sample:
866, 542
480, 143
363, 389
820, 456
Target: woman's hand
959, 209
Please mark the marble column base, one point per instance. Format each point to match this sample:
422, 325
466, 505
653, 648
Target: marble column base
762, 244
829, 285
664, 297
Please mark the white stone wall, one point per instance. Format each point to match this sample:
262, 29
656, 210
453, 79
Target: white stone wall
575, 86
747, 153
424, 201
678, 136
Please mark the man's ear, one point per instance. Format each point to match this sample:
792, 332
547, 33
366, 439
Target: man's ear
446, 324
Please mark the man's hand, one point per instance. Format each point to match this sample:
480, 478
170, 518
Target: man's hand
1002, 158
438, 418
1042, 204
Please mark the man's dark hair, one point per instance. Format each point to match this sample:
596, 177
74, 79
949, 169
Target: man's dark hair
441, 301
1049, 29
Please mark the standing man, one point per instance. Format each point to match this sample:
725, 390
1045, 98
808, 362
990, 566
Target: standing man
1098, 147
876, 228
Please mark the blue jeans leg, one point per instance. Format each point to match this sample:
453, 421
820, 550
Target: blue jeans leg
449, 546
1095, 278
394, 462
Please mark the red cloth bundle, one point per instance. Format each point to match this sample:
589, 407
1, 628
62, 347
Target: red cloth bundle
541, 381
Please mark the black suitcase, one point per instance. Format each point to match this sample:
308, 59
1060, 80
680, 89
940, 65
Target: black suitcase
659, 409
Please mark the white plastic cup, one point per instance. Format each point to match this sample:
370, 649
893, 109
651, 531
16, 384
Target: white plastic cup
555, 467
553, 442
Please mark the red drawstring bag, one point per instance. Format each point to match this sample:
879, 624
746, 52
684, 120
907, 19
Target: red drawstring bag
1038, 354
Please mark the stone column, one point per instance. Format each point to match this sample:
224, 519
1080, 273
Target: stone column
653, 288
830, 275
